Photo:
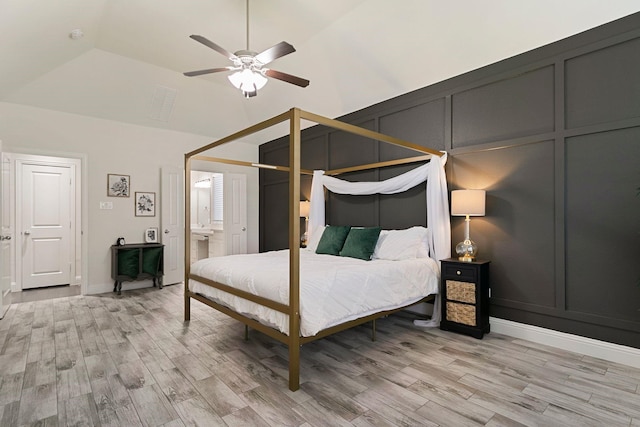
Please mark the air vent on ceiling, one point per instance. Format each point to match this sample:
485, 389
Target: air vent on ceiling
162, 103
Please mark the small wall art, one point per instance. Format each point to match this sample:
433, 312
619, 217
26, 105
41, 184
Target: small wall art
118, 185
145, 203
151, 235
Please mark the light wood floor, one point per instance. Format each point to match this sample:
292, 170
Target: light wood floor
130, 360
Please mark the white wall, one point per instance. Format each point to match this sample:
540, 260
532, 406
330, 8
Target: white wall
114, 147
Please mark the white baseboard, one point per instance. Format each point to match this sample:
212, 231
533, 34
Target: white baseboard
604, 350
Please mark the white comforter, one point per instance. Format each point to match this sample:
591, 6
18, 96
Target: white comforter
333, 289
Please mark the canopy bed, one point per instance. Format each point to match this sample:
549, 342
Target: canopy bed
271, 293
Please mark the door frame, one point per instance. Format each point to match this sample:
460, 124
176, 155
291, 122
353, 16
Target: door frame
47, 239
79, 249
6, 231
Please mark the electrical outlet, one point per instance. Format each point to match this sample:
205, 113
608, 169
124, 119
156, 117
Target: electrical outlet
106, 205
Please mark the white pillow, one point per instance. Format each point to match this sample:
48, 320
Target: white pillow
395, 245
312, 244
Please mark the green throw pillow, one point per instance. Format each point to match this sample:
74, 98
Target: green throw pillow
332, 239
151, 261
129, 262
360, 243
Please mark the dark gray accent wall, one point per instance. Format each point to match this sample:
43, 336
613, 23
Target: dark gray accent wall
600, 79
553, 136
602, 229
505, 109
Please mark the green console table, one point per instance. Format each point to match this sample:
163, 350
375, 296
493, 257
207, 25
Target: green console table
137, 261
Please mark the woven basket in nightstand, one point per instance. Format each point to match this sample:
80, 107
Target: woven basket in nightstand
461, 313
461, 291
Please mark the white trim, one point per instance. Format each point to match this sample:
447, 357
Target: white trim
604, 350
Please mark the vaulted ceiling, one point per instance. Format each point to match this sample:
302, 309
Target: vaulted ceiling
128, 65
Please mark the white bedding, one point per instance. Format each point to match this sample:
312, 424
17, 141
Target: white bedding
333, 289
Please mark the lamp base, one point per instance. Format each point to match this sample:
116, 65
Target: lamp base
467, 250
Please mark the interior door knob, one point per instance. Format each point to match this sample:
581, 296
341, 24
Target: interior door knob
26, 233
244, 228
166, 231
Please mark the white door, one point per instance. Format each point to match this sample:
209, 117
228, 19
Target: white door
235, 213
5, 237
45, 222
172, 224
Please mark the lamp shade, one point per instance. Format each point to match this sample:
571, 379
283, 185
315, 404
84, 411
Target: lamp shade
248, 80
304, 209
467, 202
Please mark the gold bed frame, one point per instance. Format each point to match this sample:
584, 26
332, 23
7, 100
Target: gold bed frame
293, 340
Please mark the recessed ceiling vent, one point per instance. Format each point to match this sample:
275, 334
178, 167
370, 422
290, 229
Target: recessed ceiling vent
162, 103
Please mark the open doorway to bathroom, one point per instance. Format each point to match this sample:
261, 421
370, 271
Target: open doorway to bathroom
218, 214
207, 215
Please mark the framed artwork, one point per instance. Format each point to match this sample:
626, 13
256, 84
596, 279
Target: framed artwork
145, 203
118, 185
151, 235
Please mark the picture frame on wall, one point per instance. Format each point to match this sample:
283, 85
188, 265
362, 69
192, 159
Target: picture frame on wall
151, 235
118, 185
145, 203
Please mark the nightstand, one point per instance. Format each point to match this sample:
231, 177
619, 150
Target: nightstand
465, 297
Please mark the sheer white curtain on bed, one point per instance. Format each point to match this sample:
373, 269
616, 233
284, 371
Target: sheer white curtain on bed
437, 207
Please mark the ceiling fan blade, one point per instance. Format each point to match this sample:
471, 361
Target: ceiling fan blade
213, 46
275, 52
209, 71
287, 78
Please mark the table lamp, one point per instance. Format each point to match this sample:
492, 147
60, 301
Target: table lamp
467, 203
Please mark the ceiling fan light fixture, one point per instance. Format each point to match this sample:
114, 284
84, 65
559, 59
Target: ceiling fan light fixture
249, 75
248, 81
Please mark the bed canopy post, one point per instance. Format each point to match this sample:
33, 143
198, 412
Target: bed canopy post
187, 235
294, 250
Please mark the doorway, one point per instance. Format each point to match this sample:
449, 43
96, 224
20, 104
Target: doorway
47, 200
45, 203
218, 214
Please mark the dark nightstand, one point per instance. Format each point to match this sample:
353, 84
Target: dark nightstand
465, 297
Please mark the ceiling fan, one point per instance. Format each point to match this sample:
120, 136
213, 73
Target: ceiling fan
250, 71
